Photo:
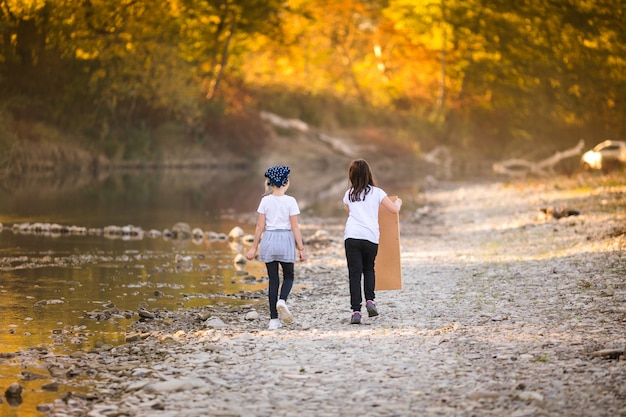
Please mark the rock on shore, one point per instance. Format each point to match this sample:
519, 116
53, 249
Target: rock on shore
503, 313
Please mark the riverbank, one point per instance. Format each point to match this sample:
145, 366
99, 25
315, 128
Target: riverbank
505, 310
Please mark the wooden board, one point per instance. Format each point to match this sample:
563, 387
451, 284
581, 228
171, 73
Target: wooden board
387, 267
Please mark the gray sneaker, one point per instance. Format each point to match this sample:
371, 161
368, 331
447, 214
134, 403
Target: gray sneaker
355, 318
371, 308
283, 312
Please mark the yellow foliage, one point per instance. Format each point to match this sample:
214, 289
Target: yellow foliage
25, 9
84, 55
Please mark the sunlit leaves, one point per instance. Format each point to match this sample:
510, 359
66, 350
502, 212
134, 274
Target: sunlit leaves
510, 71
24, 9
325, 48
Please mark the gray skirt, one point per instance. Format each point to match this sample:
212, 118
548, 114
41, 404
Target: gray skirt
277, 245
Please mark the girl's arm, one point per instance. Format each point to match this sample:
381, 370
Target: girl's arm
260, 226
295, 229
392, 206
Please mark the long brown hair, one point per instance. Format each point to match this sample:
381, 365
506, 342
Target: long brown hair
361, 179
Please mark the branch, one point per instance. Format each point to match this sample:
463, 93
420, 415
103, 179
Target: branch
522, 167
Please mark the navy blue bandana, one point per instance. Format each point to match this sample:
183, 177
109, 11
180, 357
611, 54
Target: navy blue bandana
278, 175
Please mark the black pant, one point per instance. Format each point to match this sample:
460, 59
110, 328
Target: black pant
285, 289
360, 255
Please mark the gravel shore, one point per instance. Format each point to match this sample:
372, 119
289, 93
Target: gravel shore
504, 311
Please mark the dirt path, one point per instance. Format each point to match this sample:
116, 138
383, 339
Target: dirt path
503, 313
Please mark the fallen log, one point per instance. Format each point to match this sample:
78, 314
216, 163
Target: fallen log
520, 167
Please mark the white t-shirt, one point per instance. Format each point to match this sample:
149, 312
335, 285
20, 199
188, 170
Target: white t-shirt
278, 210
362, 221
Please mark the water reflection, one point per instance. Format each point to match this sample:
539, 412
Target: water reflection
45, 288
151, 199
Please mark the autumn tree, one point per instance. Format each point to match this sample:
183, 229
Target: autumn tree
485, 75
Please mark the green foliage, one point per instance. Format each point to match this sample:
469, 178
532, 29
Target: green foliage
543, 72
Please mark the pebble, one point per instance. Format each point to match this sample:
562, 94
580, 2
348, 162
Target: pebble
252, 315
491, 321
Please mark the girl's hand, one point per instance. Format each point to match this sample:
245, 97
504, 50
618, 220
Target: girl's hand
250, 254
302, 255
392, 206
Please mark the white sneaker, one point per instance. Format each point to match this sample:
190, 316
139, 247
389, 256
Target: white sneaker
283, 312
275, 324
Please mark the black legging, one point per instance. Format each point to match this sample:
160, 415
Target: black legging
360, 255
285, 289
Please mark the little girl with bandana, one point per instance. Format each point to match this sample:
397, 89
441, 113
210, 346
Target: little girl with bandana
277, 222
